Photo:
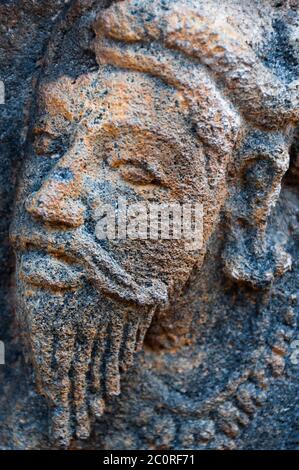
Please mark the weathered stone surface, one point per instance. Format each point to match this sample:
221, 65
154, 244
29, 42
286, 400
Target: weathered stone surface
145, 343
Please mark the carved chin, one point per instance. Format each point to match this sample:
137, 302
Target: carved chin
79, 343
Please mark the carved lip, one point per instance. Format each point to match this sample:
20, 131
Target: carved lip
47, 271
96, 263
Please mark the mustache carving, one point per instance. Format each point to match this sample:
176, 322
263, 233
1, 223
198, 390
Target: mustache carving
102, 270
78, 356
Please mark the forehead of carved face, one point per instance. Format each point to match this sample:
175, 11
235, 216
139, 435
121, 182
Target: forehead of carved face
123, 127
111, 135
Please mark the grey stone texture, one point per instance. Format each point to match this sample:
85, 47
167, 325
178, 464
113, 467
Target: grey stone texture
148, 344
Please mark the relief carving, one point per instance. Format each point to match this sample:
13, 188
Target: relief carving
178, 108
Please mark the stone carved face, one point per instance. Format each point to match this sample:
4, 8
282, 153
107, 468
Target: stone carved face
126, 136
86, 304
131, 139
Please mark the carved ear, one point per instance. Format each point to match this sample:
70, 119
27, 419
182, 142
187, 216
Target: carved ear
255, 187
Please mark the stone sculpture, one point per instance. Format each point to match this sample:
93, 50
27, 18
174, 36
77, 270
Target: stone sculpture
179, 107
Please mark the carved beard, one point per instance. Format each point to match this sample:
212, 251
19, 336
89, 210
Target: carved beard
79, 341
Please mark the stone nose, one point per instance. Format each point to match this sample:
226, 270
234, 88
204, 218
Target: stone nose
58, 200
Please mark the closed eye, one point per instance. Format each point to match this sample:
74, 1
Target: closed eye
141, 173
138, 175
47, 144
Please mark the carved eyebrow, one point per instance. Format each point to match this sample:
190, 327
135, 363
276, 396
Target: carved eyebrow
119, 128
39, 130
53, 126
